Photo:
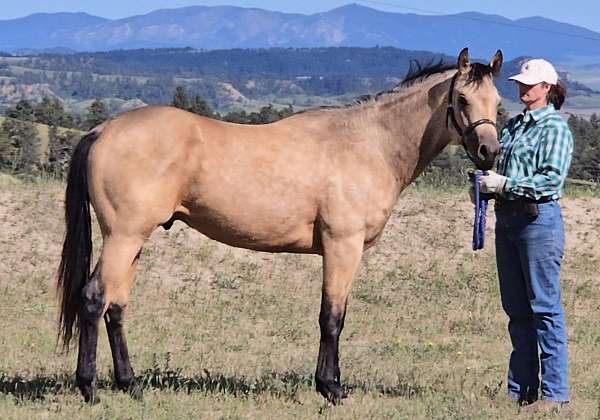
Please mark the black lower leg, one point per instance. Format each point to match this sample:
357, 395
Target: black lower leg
124, 375
89, 315
327, 376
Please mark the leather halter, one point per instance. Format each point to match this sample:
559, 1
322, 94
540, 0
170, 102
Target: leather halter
450, 117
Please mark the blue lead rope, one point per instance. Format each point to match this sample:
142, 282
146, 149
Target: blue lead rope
481, 205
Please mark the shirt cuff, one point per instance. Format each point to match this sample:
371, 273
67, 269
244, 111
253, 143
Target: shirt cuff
510, 184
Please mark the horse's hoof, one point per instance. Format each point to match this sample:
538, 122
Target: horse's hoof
89, 394
332, 391
136, 391
133, 389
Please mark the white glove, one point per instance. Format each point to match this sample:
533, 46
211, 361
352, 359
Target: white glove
492, 182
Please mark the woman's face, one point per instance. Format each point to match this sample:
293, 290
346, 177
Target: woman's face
534, 96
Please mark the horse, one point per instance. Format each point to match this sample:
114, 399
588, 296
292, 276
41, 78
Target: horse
322, 181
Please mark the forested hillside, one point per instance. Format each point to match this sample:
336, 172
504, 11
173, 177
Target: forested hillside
227, 79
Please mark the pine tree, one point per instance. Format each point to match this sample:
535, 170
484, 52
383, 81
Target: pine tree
31, 152
10, 146
201, 107
23, 111
181, 99
96, 115
52, 112
267, 114
286, 112
60, 149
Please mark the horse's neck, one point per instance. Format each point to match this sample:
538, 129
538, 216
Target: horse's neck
416, 128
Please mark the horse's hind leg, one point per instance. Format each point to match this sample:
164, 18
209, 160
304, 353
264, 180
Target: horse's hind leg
124, 375
108, 291
114, 319
341, 258
92, 306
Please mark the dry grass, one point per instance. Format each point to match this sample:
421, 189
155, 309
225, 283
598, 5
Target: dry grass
217, 332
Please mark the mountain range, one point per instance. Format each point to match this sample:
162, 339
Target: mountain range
224, 27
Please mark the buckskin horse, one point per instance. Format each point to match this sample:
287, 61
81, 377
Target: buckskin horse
323, 181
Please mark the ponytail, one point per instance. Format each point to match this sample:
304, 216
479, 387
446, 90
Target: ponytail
557, 94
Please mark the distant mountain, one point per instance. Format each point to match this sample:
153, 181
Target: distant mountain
45, 30
32, 52
225, 27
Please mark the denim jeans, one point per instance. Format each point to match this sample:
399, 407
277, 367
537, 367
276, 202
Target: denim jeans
529, 252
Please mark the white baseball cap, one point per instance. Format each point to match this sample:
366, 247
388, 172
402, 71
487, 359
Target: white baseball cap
536, 71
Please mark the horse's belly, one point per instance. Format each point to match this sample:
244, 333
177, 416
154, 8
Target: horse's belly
264, 231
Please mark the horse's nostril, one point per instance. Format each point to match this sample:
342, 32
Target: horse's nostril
483, 152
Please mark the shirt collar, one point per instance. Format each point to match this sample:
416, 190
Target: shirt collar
538, 114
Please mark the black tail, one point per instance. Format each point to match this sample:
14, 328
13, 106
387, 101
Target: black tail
74, 269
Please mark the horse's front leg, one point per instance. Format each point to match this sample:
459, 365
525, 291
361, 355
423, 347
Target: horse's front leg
341, 258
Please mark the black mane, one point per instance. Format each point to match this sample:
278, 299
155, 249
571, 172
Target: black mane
417, 72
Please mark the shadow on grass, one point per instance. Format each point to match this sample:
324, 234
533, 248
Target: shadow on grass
280, 385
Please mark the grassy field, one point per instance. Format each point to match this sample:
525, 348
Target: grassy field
218, 332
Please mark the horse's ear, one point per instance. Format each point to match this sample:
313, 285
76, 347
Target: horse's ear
496, 63
464, 62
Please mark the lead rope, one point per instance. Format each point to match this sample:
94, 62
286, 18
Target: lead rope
481, 205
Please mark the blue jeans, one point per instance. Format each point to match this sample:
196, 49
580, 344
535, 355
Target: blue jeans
529, 252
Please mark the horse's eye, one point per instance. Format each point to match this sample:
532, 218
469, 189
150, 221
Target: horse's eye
462, 101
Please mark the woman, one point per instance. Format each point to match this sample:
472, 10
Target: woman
534, 160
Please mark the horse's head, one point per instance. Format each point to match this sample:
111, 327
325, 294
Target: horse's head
473, 103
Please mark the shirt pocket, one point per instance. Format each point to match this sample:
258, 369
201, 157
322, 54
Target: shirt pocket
525, 151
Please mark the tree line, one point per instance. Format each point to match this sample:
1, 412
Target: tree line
26, 148
37, 139
198, 105
23, 150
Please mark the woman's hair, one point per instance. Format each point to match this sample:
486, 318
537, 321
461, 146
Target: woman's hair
557, 94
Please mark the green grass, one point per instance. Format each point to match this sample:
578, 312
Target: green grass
218, 332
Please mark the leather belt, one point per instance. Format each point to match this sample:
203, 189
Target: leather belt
520, 205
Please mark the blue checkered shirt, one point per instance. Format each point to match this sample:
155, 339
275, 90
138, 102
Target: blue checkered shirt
535, 155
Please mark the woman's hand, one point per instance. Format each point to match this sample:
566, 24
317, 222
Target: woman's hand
492, 182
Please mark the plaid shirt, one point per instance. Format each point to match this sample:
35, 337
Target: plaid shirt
535, 154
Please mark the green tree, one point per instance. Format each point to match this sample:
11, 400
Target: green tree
239, 117
286, 112
31, 148
20, 147
10, 146
201, 107
267, 114
96, 115
23, 111
586, 153
52, 112
181, 99
60, 148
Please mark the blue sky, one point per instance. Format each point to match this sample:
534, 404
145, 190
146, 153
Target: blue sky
584, 13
